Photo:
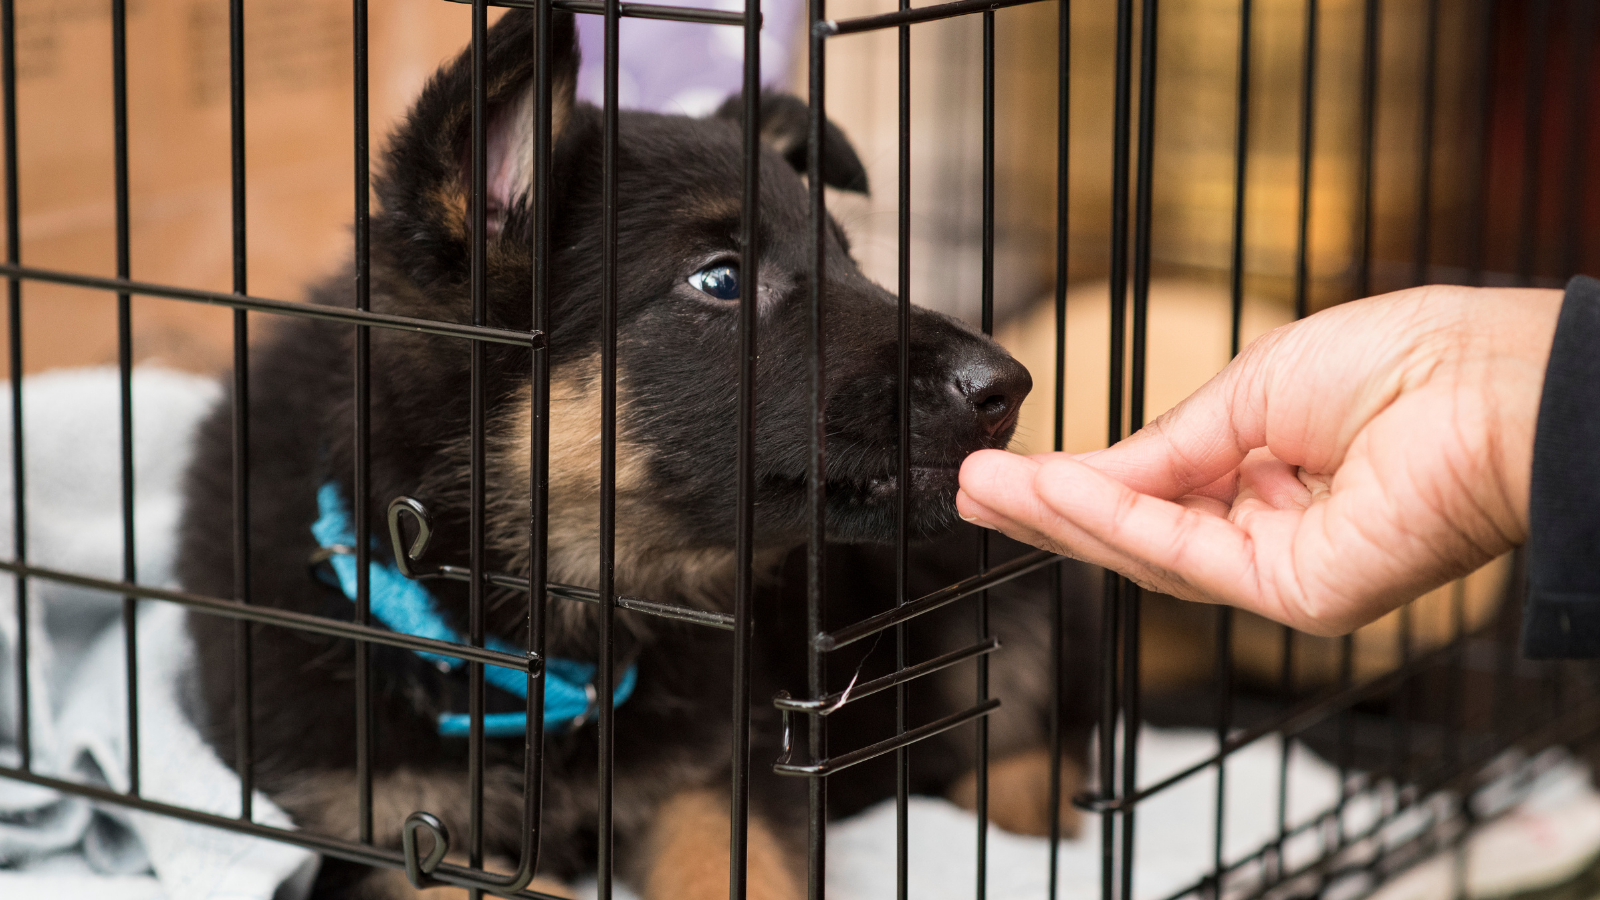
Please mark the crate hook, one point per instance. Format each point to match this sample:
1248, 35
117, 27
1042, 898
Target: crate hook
419, 870
404, 558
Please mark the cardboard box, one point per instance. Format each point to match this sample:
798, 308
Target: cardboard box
298, 153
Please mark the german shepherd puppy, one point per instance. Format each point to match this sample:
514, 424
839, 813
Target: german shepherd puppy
679, 183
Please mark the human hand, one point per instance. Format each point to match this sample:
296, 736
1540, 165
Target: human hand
1339, 467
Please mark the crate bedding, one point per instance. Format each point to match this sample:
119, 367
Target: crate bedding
67, 847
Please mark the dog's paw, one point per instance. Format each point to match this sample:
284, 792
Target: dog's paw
1019, 793
551, 887
689, 853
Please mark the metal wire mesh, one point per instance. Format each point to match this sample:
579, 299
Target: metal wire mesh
1424, 738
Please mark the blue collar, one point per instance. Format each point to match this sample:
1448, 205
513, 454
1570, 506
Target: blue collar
406, 607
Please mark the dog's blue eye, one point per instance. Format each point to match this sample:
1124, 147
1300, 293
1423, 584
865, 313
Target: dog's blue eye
720, 281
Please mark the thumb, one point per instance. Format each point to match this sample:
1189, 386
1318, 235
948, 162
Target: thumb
1197, 442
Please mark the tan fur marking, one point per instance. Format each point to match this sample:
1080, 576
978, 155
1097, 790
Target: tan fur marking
652, 558
1019, 793
712, 209
451, 202
688, 853
562, 89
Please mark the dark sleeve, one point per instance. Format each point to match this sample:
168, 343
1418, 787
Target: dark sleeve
1562, 617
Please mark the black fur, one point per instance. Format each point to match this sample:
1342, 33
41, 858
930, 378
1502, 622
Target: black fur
679, 183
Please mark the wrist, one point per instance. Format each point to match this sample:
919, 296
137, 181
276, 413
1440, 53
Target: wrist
1505, 349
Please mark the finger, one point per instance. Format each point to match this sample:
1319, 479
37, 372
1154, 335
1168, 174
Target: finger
1066, 503
1184, 551
997, 492
995, 486
980, 515
1024, 518
1272, 481
1011, 506
1223, 490
1196, 445
1209, 505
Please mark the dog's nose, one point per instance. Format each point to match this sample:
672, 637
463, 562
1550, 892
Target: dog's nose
993, 386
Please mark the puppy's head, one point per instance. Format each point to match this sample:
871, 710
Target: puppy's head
679, 293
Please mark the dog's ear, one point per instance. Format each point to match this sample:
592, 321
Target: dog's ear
428, 175
785, 126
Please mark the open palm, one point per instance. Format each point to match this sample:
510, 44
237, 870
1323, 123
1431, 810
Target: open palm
1337, 468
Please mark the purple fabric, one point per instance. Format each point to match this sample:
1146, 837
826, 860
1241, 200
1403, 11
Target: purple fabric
682, 67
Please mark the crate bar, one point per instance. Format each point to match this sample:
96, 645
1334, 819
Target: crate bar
873, 751
1505, 662
981, 608
632, 11
1308, 154
268, 615
1458, 665
1456, 735
243, 677
902, 558
1430, 78
1484, 162
816, 461
1241, 184
479, 210
1224, 724
452, 573
1121, 134
361, 488
1132, 594
1302, 288
913, 16
240, 302
1399, 728
744, 464
19, 505
1006, 571
130, 568
1223, 659
1372, 21
1538, 40
1286, 697
1346, 737
539, 451
1401, 743
1057, 614
608, 450
1580, 100
1056, 741
1308, 125
648, 607
837, 700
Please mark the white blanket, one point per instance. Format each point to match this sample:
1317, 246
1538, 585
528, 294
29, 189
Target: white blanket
60, 846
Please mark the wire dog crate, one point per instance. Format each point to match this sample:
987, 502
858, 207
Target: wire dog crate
1420, 742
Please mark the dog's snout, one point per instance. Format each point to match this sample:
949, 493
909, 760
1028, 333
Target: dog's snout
993, 386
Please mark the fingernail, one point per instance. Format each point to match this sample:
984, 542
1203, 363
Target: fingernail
973, 519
